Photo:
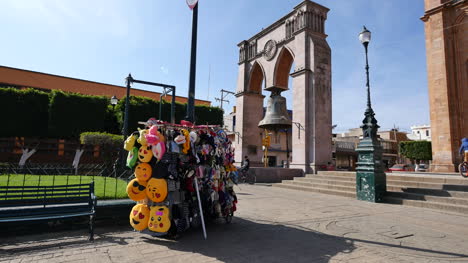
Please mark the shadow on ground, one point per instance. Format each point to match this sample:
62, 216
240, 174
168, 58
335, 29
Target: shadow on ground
248, 241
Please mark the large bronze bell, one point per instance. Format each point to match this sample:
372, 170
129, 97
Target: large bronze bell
276, 115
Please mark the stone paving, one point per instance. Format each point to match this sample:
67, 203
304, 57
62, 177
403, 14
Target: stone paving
271, 225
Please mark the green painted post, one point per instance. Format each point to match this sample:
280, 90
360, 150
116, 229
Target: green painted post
371, 181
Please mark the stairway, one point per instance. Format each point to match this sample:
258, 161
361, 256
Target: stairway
448, 193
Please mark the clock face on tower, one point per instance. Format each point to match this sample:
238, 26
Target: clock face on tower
269, 50
192, 3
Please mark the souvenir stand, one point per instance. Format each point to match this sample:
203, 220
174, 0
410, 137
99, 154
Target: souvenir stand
184, 174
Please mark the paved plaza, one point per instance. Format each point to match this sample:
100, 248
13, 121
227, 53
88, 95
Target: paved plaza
271, 225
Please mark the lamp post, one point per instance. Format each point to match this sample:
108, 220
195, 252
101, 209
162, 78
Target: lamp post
114, 101
371, 183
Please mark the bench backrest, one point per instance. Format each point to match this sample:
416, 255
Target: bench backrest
19, 196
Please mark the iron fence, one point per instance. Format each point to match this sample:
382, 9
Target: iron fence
110, 181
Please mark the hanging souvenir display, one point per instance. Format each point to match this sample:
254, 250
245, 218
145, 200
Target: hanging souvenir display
183, 174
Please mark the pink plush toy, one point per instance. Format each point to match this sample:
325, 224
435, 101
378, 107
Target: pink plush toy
158, 150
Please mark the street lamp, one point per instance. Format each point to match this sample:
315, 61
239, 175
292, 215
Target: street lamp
114, 101
371, 182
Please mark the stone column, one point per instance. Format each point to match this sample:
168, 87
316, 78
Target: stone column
249, 112
311, 104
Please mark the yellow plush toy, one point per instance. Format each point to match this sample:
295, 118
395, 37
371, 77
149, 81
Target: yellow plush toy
143, 171
142, 139
139, 217
130, 142
186, 145
156, 190
145, 153
159, 219
136, 190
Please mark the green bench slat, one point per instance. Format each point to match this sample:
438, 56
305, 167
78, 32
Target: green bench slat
42, 190
43, 196
42, 201
45, 217
21, 212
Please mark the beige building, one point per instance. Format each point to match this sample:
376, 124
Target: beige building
446, 26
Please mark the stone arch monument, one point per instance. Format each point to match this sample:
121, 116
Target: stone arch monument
265, 62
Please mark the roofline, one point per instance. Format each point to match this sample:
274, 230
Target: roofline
102, 83
281, 21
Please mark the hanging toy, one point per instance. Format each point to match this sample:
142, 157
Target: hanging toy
159, 219
143, 172
136, 190
139, 217
159, 150
156, 190
145, 154
142, 139
186, 145
130, 142
153, 136
132, 157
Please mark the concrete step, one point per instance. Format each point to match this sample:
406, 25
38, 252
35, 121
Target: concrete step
322, 186
410, 177
429, 198
316, 190
325, 181
425, 191
427, 204
331, 177
448, 187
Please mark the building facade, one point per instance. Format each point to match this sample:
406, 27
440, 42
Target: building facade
446, 28
420, 133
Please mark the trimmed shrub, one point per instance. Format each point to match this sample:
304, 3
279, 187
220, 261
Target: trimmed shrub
71, 113
416, 150
23, 112
101, 138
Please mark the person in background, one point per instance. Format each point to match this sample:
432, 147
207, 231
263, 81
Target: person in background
245, 164
464, 149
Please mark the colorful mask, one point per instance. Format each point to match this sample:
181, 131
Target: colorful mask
143, 172
180, 139
156, 190
139, 217
159, 219
159, 150
132, 157
130, 142
145, 154
142, 139
136, 190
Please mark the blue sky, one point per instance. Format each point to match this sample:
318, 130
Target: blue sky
105, 40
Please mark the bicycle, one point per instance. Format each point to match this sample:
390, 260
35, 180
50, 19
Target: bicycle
463, 169
248, 177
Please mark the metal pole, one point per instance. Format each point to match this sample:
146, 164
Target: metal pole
200, 207
287, 149
127, 104
160, 104
173, 106
367, 74
193, 68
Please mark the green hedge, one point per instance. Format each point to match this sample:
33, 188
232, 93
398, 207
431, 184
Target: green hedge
416, 150
23, 112
60, 114
72, 113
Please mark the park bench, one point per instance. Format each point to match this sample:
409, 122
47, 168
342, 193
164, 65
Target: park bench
29, 203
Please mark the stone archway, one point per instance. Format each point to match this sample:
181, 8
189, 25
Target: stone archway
266, 58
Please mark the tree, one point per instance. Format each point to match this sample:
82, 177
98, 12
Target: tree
416, 150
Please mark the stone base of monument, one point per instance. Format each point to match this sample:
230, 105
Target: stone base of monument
275, 174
